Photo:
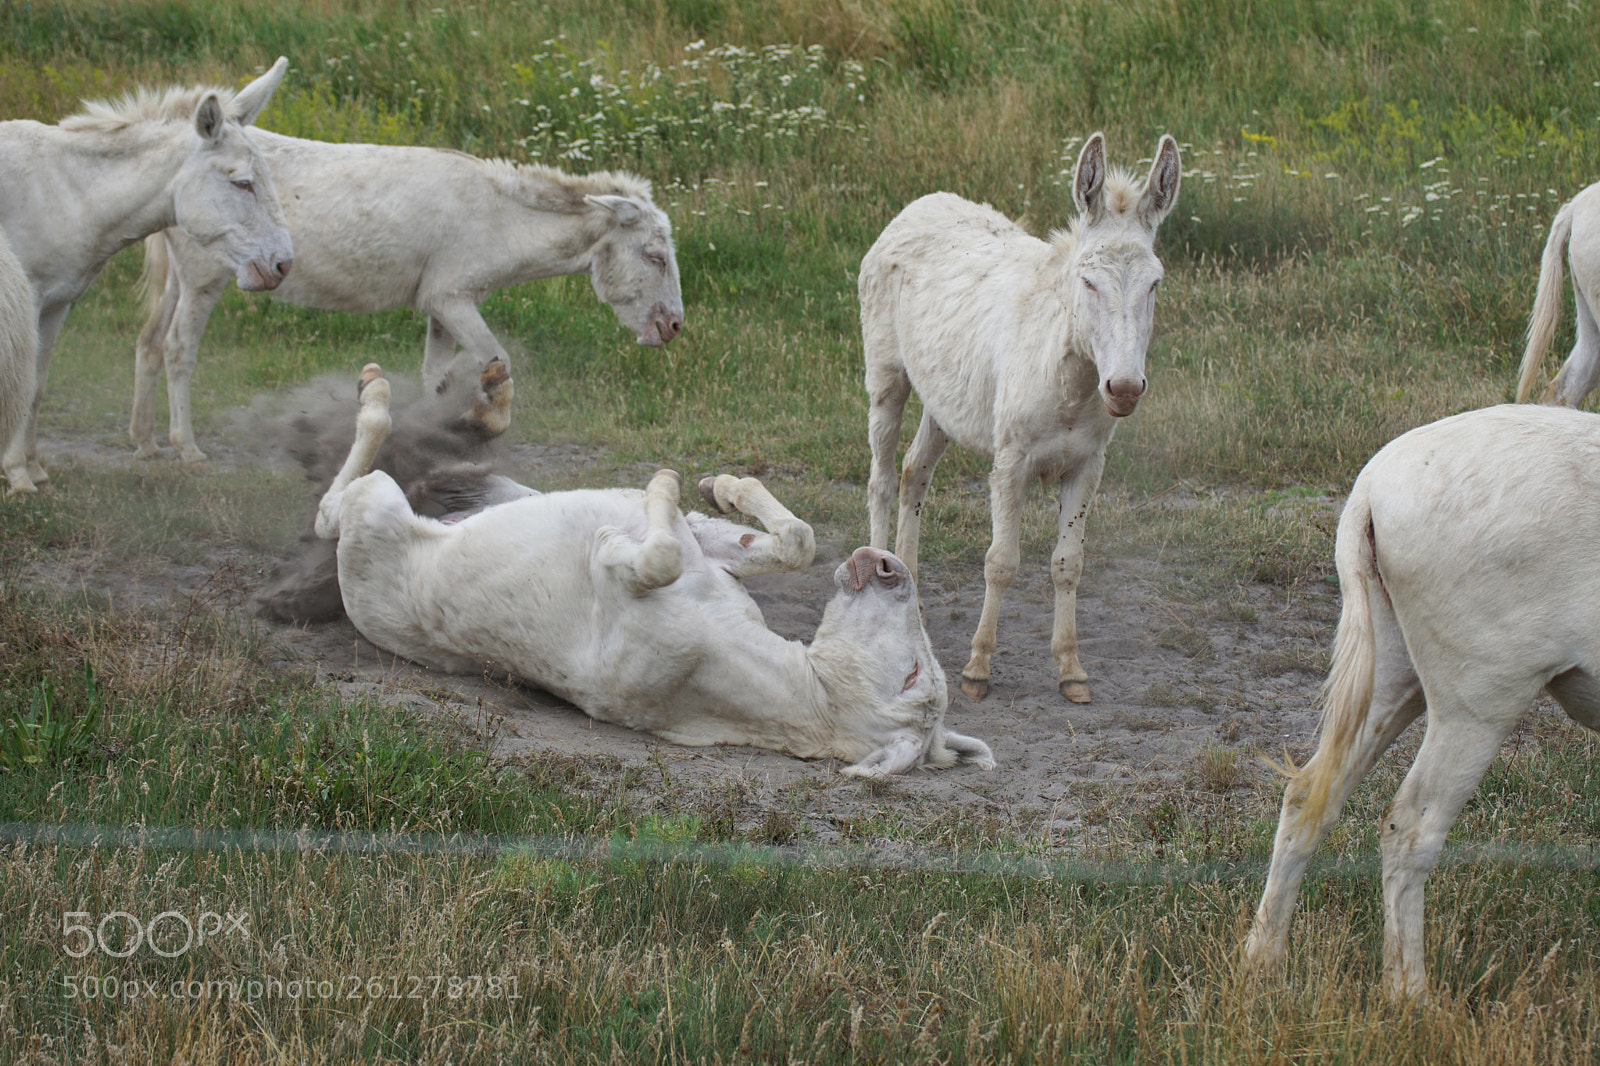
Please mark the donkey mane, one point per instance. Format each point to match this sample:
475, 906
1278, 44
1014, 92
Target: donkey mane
144, 104
549, 188
1121, 192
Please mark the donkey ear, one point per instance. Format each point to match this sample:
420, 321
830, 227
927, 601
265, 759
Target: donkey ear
209, 119
248, 102
626, 211
896, 757
1161, 187
1089, 179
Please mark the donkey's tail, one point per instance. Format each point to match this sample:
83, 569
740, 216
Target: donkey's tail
152, 284
1347, 693
1546, 303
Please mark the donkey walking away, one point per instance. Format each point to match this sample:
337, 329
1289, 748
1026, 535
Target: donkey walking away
637, 613
378, 227
78, 192
1575, 233
1025, 351
1466, 557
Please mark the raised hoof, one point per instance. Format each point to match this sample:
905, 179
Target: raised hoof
369, 373
974, 690
1076, 691
494, 375
708, 493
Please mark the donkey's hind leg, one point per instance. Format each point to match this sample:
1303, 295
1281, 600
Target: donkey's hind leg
788, 544
372, 429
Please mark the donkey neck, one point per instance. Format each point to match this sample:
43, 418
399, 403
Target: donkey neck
764, 690
115, 187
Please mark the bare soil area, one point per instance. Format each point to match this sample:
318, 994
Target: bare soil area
1178, 686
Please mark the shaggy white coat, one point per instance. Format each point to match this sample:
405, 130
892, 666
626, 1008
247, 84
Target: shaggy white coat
74, 194
1025, 351
1465, 561
381, 226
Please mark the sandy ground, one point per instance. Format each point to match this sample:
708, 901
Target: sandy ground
1171, 682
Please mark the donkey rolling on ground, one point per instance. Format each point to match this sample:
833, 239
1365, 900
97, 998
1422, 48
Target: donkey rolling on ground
637, 613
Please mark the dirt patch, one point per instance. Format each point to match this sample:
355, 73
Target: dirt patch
1173, 680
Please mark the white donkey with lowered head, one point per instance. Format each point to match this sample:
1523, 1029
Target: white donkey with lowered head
74, 194
637, 613
1466, 557
1025, 351
385, 226
1575, 233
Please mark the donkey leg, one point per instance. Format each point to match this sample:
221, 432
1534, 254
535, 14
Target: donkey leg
788, 544
1066, 569
1581, 372
149, 350
916, 474
1464, 732
21, 460
491, 403
182, 351
451, 323
1460, 743
372, 429
1396, 702
888, 389
657, 561
1006, 490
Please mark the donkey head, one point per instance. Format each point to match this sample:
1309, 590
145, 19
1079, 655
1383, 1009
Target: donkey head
223, 195
1117, 266
885, 686
634, 269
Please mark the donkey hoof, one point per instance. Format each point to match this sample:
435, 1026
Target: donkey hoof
1076, 691
708, 492
369, 373
974, 690
494, 375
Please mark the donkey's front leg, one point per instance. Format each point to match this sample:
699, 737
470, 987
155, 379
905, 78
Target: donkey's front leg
372, 429
181, 352
657, 561
1006, 490
788, 544
1066, 568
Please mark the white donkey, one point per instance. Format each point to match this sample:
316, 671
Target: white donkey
1466, 561
19, 341
73, 194
636, 613
1575, 232
1023, 351
378, 227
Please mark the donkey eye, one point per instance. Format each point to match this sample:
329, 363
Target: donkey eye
244, 185
1089, 285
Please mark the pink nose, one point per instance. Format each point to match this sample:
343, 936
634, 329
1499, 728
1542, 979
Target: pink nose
1122, 395
668, 323
874, 564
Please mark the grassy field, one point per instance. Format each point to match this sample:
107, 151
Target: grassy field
1367, 188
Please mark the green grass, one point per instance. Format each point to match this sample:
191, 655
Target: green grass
1366, 190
